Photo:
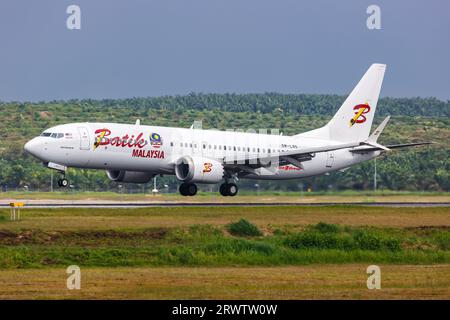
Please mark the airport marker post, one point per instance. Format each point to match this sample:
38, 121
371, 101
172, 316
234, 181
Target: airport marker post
15, 210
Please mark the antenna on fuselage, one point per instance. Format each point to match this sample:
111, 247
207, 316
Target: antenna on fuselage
138, 122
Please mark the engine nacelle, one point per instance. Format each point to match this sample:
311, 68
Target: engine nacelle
198, 169
129, 176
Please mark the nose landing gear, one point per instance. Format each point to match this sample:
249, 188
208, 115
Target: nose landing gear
63, 182
228, 189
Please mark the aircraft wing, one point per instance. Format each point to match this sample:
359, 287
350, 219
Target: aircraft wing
249, 163
393, 146
294, 157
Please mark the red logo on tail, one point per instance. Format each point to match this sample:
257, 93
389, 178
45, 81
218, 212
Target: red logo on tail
360, 110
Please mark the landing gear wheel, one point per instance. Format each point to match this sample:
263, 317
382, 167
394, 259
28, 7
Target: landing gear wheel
223, 189
232, 189
188, 189
63, 182
191, 189
228, 189
182, 189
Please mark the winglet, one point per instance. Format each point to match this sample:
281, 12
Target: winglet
376, 134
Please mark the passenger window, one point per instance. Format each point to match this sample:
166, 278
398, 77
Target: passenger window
190, 145
181, 144
204, 146
171, 144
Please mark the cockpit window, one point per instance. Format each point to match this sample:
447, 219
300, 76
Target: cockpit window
52, 135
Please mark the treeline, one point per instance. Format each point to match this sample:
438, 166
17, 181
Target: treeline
414, 119
303, 104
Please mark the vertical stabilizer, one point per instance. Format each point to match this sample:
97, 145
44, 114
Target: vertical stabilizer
354, 118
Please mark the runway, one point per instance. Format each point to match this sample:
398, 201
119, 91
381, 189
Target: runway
117, 204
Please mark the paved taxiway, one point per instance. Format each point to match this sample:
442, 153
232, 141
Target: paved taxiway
130, 204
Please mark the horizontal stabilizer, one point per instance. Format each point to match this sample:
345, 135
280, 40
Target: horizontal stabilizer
376, 134
377, 145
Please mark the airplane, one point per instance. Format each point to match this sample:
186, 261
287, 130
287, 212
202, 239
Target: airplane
135, 153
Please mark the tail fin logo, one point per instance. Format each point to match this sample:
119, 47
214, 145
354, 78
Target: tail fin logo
360, 111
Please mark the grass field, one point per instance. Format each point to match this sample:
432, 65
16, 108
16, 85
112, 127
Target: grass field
265, 217
291, 282
176, 253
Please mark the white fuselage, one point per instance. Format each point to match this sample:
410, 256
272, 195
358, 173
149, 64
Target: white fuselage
155, 149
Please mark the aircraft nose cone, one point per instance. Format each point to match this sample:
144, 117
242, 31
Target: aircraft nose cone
33, 147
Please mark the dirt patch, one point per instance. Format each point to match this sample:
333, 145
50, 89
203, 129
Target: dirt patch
45, 114
38, 237
429, 228
5, 234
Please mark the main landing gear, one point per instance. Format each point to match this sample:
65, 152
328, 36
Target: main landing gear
228, 189
188, 189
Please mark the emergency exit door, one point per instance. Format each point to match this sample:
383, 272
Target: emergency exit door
84, 138
330, 159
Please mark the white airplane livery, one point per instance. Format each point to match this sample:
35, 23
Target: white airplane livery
136, 153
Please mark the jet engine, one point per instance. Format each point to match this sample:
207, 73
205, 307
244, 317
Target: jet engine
198, 170
129, 176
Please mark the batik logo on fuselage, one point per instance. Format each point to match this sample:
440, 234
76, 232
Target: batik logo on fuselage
103, 138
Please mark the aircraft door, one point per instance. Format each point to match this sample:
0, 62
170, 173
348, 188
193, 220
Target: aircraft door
330, 159
84, 138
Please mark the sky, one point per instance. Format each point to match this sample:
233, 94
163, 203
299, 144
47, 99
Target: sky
141, 48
